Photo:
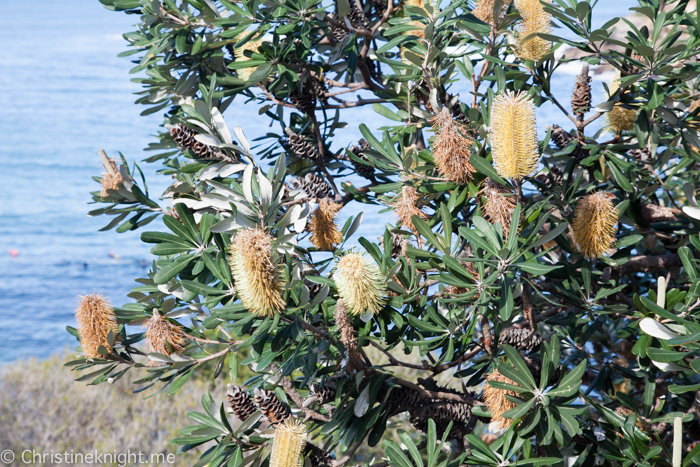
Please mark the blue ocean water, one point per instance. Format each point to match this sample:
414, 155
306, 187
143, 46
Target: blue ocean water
64, 95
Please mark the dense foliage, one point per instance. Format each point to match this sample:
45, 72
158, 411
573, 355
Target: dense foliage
550, 288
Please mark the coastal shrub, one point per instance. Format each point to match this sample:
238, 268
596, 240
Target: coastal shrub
542, 275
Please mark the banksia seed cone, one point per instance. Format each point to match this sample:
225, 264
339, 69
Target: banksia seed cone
581, 97
399, 244
405, 207
337, 32
594, 222
313, 185
357, 16
619, 118
514, 135
500, 203
348, 336
240, 402
363, 170
289, 443
302, 147
318, 456
239, 54
496, 401
304, 102
184, 137
484, 11
164, 337
324, 231
318, 89
96, 319
554, 179
451, 150
110, 179
520, 338
560, 137
273, 409
255, 271
535, 20
360, 285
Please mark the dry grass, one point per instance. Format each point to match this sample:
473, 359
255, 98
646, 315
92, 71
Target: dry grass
42, 408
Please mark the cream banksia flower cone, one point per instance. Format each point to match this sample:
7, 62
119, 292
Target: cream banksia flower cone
594, 222
163, 336
95, 317
289, 443
324, 231
254, 268
535, 20
619, 118
451, 149
484, 11
360, 284
514, 135
496, 401
239, 54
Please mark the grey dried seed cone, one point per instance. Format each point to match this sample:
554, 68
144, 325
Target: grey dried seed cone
361, 169
184, 137
314, 186
272, 408
337, 32
240, 402
399, 244
553, 179
581, 97
379, 6
317, 456
318, 89
357, 16
560, 137
642, 155
304, 102
302, 147
522, 339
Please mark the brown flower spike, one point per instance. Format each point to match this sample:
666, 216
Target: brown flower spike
324, 231
500, 203
163, 336
289, 443
535, 20
451, 149
110, 179
496, 401
594, 222
514, 135
254, 268
95, 317
405, 207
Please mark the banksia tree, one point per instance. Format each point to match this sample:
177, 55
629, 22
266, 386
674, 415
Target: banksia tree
360, 284
96, 321
324, 231
514, 135
534, 21
594, 222
290, 440
256, 272
473, 266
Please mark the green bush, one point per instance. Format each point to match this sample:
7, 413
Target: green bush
549, 287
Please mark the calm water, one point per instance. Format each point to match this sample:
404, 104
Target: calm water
64, 95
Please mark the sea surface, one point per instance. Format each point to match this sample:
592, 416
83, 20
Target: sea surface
65, 94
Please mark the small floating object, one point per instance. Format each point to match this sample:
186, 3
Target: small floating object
113, 255
14, 253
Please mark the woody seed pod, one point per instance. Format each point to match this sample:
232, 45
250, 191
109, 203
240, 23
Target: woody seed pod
514, 135
360, 285
255, 271
96, 319
594, 222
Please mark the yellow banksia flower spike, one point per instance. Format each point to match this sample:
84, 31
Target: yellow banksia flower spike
405, 207
239, 55
484, 11
289, 443
256, 272
324, 231
594, 222
514, 135
360, 284
535, 20
163, 336
619, 118
451, 149
95, 317
496, 401
500, 203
